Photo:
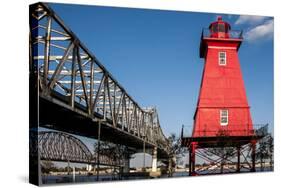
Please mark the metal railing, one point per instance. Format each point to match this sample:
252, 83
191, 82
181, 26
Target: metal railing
232, 34
257, 130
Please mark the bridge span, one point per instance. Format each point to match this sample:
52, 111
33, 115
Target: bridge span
71, 91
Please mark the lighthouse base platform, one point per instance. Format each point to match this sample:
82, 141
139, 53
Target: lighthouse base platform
221, 154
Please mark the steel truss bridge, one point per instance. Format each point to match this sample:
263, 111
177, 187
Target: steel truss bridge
57, 146
71, 91
63, 147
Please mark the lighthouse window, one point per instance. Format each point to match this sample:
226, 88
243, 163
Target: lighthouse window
215, 28
223, 117
221, 27
222, 58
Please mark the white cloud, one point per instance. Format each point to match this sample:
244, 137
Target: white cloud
252, 20
263, 31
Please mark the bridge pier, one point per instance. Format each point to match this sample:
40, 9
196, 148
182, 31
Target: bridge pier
89, 167
68, 167
154, 173
154, 160
126, 168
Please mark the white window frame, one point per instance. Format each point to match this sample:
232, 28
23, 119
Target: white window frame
222, 116
222, 58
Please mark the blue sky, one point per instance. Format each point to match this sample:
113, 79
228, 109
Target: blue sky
154, 55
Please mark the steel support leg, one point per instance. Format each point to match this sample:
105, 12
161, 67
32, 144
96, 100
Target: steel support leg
98, 157
192, 151
253, 156
189, 163
238, 159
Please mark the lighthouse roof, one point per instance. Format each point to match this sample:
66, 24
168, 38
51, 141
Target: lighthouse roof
220, 21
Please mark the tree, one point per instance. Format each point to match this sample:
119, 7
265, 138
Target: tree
175, 151
265, 151
114, 154
47, 166
271, 150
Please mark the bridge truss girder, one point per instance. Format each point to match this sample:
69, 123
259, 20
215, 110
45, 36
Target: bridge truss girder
63, 147
67, 73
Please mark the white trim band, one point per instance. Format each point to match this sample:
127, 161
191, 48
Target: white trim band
222, 48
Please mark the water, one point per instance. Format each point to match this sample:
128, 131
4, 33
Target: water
218, 171
51, 179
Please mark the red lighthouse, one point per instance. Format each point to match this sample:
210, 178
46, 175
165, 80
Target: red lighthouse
222, 106
222, 119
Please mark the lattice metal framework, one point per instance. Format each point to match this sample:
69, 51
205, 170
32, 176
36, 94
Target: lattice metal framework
67, 69
223, 153
220, 162
58, 146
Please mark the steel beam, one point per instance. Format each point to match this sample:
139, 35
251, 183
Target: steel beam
238, 159
81, 83
253, 154
60, 66
47, 51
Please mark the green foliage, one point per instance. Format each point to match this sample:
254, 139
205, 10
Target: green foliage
115, 153
47, 167
175, 151
265, 150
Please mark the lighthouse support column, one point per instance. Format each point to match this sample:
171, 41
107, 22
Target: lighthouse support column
192, 150
253, 145
189, 163
238, 159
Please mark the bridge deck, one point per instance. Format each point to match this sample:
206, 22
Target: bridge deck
57, 116
76, 91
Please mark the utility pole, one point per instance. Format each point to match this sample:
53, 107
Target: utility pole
98, 159
144, 155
